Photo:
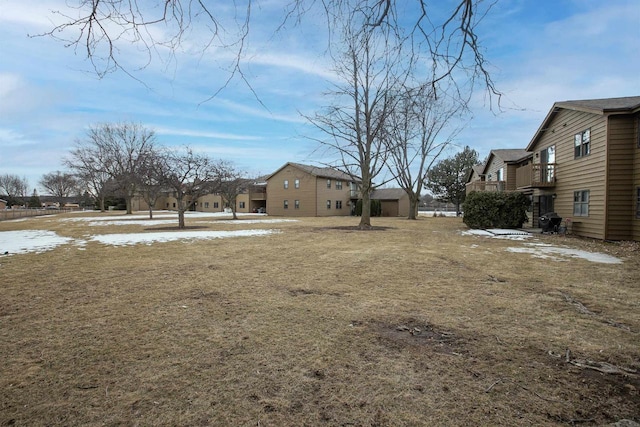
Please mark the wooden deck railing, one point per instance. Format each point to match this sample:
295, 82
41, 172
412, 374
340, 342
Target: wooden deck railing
486, 186
536, 175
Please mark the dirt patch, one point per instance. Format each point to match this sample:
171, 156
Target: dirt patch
411, 332
351, 228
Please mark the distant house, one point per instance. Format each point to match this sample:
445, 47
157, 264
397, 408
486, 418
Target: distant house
586, 167
393, 201
499, 172
303, 190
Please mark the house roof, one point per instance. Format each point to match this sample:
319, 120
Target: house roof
478, 169
507, 155
624, 105
387, 194
318, 171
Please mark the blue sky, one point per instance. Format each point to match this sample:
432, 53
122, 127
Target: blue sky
540, 52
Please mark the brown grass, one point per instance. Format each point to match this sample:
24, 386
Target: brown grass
410, 324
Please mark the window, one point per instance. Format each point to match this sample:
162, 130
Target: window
215, 205
638, 202
240, 205
338, 185
286, 204
328, 204
174, 204
500, 174
296, 204
582, 144
581, 203
338, 204
328, 183
286, 184
296, 183
206, 205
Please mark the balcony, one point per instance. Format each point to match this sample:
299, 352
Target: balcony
536, 175
486, 186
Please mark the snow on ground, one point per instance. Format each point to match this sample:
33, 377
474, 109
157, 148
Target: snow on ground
542, 250
23, 241
150, 238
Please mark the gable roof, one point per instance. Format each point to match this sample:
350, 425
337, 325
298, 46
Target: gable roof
624, 105
318, 172
507, 155
388, 194
477, 169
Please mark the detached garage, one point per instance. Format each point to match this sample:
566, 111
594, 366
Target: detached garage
394, 201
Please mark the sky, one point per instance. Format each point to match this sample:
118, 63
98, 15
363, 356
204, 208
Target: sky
540, 52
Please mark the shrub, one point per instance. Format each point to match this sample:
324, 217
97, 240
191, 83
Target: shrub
376, 208
495, 209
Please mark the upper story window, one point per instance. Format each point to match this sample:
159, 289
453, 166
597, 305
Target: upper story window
338, 204
500, 174
582, 143
296, 183
328, 204
328, 183
338, 185
581, 203
286, 184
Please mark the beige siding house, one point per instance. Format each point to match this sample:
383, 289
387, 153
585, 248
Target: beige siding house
499, 172
586, 167
302, 190
393, 201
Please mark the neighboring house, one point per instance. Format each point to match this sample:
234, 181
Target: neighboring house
499, 172
3, 204
476, 173
586, 167
302, 190
393, 201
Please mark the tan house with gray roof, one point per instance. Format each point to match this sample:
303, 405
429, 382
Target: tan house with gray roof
586, 167
499, 171
303, 190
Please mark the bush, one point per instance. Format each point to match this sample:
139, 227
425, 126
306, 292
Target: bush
495, 209
376, 208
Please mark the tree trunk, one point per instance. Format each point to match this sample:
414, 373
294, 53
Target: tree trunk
181, 218
413, 206
101, 201
365, 218
150, 212
129, 201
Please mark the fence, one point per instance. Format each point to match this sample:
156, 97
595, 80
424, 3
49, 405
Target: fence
6, 214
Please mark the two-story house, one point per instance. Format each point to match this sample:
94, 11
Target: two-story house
586, 167
302, 190
499, 171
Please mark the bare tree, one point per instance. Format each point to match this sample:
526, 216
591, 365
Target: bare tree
90, 163
189, 176
152, 177
14, 188
104, 29
229, 183
61, 185
417, 133
371, 67
123, 149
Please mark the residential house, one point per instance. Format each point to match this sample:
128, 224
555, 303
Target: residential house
586, 167
393, 201
499, 171
302, 190
476, 173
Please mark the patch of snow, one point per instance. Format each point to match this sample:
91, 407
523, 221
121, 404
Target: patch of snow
150, 238
24, 241
541, 250
498, 233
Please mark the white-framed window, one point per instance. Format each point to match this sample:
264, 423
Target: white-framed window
581, 203
500, 174
206, 205
338, 185
240, 205
296, 183
582, 144
338, 204
286, 184
216, 205
328, 204
328, 183
286, 204
296, 204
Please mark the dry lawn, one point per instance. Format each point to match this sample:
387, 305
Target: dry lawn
409, 324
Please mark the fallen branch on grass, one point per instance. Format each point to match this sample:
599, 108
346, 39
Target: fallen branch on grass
581, 308
604, 367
